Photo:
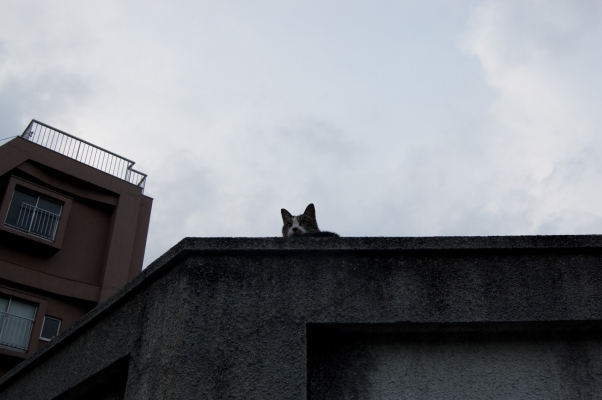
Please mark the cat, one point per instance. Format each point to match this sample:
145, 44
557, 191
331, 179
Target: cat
304, 225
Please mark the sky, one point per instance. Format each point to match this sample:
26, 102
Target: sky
395, 118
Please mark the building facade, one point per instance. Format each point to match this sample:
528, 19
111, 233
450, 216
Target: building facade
73, 228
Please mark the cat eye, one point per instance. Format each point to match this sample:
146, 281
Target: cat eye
288, 225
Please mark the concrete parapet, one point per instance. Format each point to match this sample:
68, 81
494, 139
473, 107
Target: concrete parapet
339, 318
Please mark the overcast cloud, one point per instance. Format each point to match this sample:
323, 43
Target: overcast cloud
396, 118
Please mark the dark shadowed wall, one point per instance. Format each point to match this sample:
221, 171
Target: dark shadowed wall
348, 318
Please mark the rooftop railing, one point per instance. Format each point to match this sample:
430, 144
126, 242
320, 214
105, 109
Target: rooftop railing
84, 152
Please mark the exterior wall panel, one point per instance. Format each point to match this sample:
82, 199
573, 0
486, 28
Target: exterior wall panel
253, 318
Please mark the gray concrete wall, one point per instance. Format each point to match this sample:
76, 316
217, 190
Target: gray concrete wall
328, 318
509, 361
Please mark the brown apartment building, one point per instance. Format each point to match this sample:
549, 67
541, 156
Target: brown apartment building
73, 227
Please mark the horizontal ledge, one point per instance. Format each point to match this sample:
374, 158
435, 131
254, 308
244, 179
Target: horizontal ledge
48, 282
391, 243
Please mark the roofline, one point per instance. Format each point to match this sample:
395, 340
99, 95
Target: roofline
215, 246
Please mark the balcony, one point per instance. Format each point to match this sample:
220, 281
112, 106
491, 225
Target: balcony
84, 152
36, 221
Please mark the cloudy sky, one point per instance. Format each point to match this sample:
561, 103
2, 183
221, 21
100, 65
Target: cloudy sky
395, 118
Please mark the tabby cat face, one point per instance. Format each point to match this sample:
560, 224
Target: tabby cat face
304, 223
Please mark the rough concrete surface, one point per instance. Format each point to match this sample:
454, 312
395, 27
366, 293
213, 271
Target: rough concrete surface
340, 318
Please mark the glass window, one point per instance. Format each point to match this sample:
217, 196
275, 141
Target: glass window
3, 304
16, 322
21, 309
50, 329
15, 216
49, 205
33, 214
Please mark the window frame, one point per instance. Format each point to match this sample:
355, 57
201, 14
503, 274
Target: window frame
44, 322
45, 193
42, 304
35, 218
12, 299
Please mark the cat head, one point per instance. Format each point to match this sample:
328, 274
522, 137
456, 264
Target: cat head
304, 223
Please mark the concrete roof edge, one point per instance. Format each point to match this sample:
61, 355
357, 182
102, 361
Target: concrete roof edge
225, 244
191, 245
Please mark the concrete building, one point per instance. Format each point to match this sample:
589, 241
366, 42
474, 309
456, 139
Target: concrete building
73, 227
339, 318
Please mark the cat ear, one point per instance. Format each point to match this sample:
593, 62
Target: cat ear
310, 210
285, 215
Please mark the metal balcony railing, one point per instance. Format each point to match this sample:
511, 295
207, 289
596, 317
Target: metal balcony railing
36, 221
84, 152
15, 331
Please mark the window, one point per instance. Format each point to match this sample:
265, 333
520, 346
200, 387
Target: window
16, 322
34, 214
50, 328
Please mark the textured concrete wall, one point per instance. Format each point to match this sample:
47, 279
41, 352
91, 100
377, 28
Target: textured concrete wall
328, 318
509, 361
